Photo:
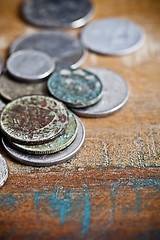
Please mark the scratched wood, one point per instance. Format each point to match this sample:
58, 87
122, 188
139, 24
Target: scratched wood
111, 188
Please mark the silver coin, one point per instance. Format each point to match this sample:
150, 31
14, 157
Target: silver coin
66, 50
29, 65
50, 159
1, 65
2, 104
3, 170
115, 94
53, 13
113, 36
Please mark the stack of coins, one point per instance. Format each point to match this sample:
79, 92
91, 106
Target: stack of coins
40, 130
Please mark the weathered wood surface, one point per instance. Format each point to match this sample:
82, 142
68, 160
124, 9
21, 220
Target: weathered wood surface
111, 188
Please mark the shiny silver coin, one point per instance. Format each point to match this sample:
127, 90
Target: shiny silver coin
3, 170
115, 94
113, 36
53, 13
30, 65
1, 65
64, 49
50, 159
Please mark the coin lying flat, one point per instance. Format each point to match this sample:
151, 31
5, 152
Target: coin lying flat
34, 119
2, 105
55, 145
112, 36
77, 88
53, 13
3, 170
115, 94
1, 65
64, 49
50, 159
11, 89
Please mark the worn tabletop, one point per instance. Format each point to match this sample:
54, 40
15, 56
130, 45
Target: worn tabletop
111, 188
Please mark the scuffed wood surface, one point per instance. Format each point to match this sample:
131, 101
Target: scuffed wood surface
111, 188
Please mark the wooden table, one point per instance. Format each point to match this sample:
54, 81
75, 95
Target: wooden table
111, 188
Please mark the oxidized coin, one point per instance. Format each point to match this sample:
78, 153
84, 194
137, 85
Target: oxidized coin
115, 94
30, 65
112, 36
77, 88
55, 145
65, 50
34, 119
53, 13
3, 170
11, 89
50, 159
1, 65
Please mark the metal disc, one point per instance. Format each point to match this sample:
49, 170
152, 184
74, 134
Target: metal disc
34, 119
30, 65
77, 88
61, 13
1, 65
50, 159
55, 145
2, 105
115, 94
3, 170
11, 89
66, 50
112, 36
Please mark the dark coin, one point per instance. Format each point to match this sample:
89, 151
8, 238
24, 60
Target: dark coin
34, 119
65, 50
57, 13
1, 65
48, 160
3, 170
77, 88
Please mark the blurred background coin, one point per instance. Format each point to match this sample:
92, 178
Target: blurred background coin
3, 170
112, 36
2, 104
30, 65
115, 94
50, 159
57, 13
1, 65
65, 50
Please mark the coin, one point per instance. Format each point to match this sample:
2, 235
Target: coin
1, 65
115, 94
112, 36
2, 104
65, 50
50, 159
30, 65
3, 170
53, 13
77, 88
55, 145
11, 89
34, 119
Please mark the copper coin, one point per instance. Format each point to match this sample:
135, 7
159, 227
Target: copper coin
34, 119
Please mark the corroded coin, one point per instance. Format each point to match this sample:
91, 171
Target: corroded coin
77, 88
53, 13
1, 65
34, 119
55, 145
112, 36
50, 159
30, 65
115, 94
65, 50
11, 89
3, 170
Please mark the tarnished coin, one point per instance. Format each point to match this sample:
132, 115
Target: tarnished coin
30, 65
50, 159
77, 88
112, 36
1, 65
2, 105
11, 89
3, 170
115, 94
53, 13
55, 145
66, 50
34, 119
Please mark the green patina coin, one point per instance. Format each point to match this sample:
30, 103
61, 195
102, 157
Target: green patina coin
34, 119
55, 145
76, 88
